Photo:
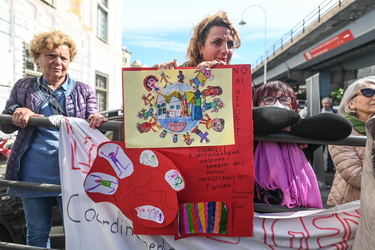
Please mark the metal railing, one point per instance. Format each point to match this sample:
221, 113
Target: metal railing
117, 126
352, 140
13, 246
300, 28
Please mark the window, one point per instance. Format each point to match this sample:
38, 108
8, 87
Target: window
104, 2
101, 89
102, 22
30, 69
50, 2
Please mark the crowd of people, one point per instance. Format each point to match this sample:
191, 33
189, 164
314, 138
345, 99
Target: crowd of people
212, 44
34, 157
292, 183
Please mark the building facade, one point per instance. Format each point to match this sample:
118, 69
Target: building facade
126, 55
95, 25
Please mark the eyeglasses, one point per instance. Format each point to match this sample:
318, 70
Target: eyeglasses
269, 100
365, 92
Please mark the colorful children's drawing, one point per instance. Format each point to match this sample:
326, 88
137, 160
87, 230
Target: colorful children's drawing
216, 124
145, 114
177, 109
151, 213
101, 183
148, 158
180, 77
201, 78
147, 126
119, 161
147, 194
205, 130
164, 77
150, 83
212, 218
212, 91
215, 105
174, 179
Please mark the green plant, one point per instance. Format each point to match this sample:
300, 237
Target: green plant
301, 95
337, 96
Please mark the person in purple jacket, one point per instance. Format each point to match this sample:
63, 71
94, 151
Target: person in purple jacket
34, 156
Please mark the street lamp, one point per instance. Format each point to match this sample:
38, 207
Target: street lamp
265, 37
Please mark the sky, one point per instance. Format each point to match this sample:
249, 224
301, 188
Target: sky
159, 31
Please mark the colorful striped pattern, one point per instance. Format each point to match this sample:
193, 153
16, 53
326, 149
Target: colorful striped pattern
205, 217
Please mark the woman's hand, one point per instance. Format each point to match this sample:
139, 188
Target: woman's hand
210, 64
96, 120
21, 117
287, 129
166, 65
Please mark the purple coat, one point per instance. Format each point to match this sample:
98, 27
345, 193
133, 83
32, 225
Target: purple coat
80, 102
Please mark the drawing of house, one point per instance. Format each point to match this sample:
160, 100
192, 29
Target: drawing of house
161, 107
174, 109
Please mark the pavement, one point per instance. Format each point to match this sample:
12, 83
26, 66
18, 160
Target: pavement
325, 191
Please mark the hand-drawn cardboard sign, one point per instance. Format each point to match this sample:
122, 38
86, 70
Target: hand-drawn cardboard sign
186, 165
141, 183
178, 108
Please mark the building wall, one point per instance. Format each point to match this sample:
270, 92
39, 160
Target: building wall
20, 20
368, 71
126, 56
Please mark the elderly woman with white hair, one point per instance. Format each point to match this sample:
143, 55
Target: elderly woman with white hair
358, 106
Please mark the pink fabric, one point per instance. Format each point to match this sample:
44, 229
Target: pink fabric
284, 166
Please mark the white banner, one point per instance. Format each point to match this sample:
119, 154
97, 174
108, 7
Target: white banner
91, 226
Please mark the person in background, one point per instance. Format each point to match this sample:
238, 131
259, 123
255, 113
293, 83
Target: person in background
358, 106
290, 181
212, 43
364, 236
327, 108
298, 109
34, 156
304, 112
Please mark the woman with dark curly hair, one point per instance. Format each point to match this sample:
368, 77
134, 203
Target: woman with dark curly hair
212, 43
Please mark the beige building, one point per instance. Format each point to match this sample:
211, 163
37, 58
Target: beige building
94, 24
126, 55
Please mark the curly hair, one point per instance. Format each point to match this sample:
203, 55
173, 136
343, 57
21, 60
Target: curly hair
47, 41
271, 88
200, 35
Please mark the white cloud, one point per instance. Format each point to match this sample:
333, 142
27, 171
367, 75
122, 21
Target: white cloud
169, 15
152, 16
155, 42
163, 24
